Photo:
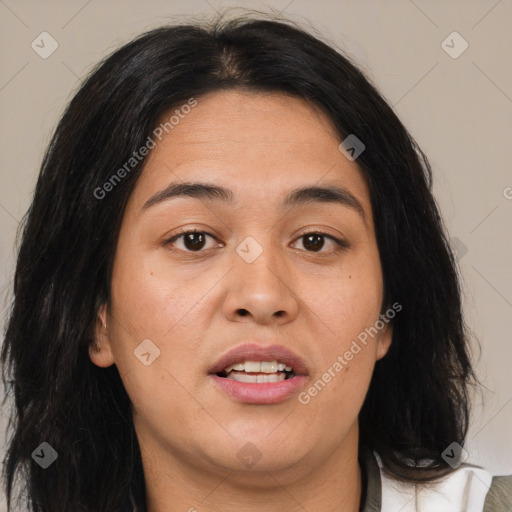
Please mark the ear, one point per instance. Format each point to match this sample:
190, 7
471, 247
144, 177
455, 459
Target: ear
100, 350
384, 341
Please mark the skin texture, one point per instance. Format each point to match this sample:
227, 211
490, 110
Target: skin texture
190, 305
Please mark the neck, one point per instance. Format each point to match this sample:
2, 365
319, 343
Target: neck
175, 483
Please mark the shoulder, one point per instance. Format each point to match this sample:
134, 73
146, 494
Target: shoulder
499, 497
469, 488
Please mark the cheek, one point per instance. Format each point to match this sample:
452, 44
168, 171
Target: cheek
159, 396
338, 389
154, 296
346, 308
153, 301
348, 302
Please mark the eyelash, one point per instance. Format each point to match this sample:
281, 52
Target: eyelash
339, 243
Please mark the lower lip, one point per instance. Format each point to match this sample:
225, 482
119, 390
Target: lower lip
260, 393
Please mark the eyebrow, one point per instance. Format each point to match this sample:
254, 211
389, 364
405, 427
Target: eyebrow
297, 197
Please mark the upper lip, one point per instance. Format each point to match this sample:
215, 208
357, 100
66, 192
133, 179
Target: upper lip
254, 352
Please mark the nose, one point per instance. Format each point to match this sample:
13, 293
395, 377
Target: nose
261, 291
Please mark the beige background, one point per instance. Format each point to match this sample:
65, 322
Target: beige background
459, 110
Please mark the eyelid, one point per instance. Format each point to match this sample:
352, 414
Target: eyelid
186, 231
341, 243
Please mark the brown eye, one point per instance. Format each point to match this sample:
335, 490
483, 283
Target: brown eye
194, 241
315, 242
190, 241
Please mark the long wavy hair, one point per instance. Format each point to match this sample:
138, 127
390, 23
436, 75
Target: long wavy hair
418, 400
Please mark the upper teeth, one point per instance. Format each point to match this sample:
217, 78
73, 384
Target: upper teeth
259, 366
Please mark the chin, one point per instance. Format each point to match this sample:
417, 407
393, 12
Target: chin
259, 453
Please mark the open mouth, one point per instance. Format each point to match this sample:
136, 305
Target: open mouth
257, 372
259, 375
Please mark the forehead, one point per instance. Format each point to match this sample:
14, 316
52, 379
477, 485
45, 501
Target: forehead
260, 145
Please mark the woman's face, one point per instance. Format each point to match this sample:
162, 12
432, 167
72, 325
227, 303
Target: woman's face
255, 274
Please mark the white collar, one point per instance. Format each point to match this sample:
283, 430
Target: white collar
464, 490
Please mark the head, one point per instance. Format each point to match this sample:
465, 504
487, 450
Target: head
121, 315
